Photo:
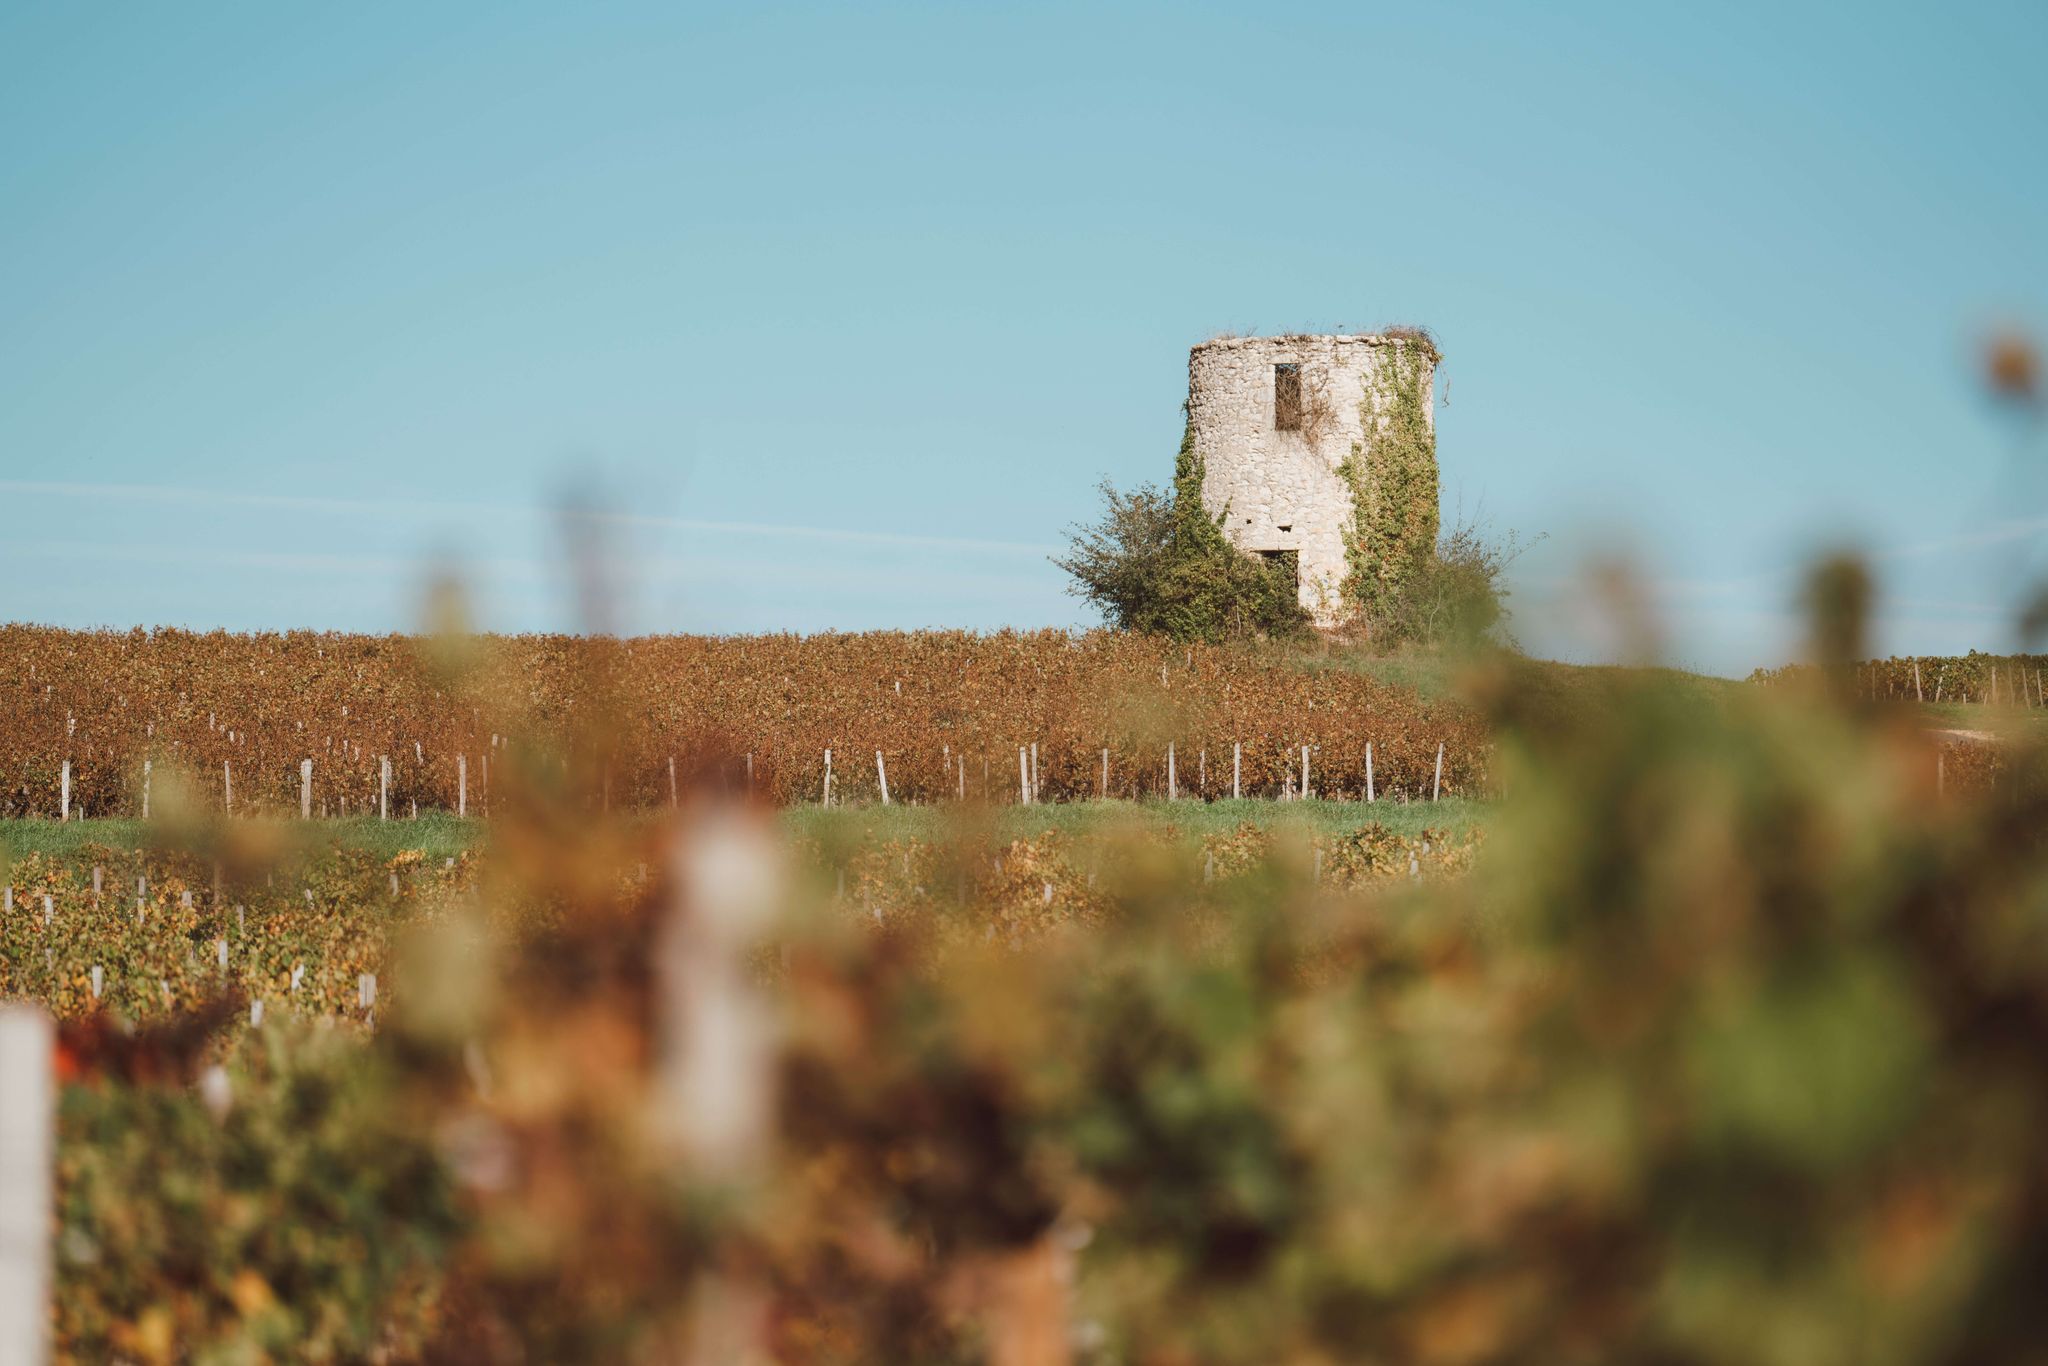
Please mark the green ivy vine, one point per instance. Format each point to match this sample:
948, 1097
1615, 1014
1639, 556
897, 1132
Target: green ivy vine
1393, 481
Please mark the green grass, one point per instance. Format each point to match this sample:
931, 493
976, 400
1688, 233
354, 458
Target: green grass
2016, 722
436, 834
441, 835
837, 824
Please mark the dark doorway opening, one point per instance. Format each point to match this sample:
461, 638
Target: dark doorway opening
1287, 562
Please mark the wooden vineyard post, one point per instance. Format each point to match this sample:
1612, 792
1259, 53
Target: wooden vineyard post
1438, 790
26, 1147
227, 787
1368, 771
827, 799
1172, 784
1105, 772
462, 784
305, 789
145, 789
64, 795
1305, 788
882, 776
671, 782
383, 787
1202, 771
1034, 771
1237, 769
1023, 777
1916, 681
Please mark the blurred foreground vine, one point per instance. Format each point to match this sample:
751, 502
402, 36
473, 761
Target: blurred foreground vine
1722, 1046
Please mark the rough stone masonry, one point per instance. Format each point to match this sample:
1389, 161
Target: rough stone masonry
1273, 419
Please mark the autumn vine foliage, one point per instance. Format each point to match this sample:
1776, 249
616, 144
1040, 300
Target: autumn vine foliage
948, 711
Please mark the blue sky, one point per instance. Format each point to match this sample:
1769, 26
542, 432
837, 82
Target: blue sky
842, 311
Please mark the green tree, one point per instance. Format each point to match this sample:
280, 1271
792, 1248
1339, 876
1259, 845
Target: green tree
1158, 562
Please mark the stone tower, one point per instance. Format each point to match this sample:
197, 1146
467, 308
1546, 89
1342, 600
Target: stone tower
1275, 419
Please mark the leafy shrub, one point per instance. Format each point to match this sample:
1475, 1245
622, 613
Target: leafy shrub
1454, 597
1158, 562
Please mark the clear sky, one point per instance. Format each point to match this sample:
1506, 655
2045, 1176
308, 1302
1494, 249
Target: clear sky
845, 309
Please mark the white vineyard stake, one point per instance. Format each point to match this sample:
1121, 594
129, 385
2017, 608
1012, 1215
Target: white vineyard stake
881, 776
383, 787
462, 784
1172, 782
1105, 772
305, 789
1237, 769
1305, 789
145, 789
227, 787
1368, 771
26, 1152
1023, 777
1437, 791
64, 801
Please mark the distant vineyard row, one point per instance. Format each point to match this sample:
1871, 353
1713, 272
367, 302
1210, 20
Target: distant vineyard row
234, 716
2015, 680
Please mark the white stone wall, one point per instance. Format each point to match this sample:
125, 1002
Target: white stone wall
1281, 489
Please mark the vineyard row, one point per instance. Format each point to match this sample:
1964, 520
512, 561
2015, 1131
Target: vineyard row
99, 723
2009, 680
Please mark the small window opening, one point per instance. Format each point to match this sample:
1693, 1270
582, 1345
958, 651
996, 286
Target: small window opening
1287, 398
